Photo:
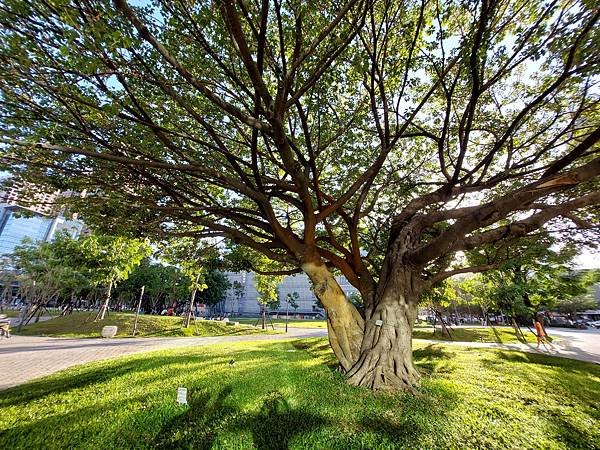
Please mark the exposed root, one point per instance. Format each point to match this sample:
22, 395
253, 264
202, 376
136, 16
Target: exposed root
381, 372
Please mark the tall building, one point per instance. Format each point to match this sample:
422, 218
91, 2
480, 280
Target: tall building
26, 196
18, 223
242, 297
24, 214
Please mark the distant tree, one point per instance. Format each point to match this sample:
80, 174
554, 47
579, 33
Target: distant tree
67, 266
238, 292
268, 293
585, 299
438, 297
356, 299
478, 290
292, 300
216, 288
532, 273
108, 260
7, 276
577, 303
164, 284
48, 271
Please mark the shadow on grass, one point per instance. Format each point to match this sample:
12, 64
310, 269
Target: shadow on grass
430, 359
84, 377
299, 410
272, 427
320, 349
309, 346
496, 335
422, 415
570, 435
572, 385
41, 433
195, 427
433, 359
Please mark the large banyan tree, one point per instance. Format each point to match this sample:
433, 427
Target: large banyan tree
377, 139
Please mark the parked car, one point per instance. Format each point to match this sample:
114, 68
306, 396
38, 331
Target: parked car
559, 322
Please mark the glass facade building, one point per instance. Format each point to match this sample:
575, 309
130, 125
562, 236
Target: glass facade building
15, 227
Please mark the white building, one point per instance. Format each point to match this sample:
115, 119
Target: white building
244, 300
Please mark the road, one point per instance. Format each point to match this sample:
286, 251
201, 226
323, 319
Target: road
28, 357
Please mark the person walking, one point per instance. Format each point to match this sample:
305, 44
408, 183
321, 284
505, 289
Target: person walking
539, 331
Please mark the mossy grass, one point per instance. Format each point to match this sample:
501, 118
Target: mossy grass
81, 324
287, 394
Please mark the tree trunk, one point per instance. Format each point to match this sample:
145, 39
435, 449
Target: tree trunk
518, 332
192, 299
376, 352
345, 325
386, 361
104, 307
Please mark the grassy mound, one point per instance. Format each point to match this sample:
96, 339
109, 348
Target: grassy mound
503, 335
286, 395
11, 312
81, 324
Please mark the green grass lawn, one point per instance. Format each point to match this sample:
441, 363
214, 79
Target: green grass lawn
81, 324
10, 312
287, 395
504, 335
280, 323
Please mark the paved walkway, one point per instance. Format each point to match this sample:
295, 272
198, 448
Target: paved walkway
583, 345
14, 321
564, 350
27, 357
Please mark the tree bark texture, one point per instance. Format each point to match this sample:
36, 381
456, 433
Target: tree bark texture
375, 352
104, 308
345, 325
386, 361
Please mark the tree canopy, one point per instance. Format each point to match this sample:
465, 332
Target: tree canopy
163, 285
66, 268
374, 138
